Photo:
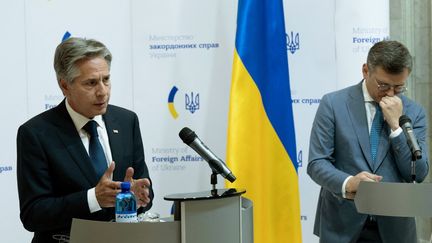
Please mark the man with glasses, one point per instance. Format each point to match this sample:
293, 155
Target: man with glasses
356, 137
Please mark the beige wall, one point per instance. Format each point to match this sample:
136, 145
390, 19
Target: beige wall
410, 23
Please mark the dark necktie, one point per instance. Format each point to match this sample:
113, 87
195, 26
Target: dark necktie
96, 151
376, 128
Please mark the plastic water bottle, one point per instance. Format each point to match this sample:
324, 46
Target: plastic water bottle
126, 210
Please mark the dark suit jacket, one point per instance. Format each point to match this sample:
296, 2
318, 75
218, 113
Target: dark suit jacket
339, 147
54, 170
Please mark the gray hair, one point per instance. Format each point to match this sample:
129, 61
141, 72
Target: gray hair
73, 50
392, 56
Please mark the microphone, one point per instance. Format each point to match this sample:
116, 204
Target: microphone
217, 165
405, 124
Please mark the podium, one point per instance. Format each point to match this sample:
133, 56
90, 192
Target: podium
88, 231
394, 199
219, 215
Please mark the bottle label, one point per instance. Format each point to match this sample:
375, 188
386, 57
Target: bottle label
126, 218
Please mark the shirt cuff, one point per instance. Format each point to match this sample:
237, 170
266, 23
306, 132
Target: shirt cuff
396, 132
344, 185
92, 201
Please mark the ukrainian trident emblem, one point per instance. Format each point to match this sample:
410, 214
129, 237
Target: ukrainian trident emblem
293, 42
192, 102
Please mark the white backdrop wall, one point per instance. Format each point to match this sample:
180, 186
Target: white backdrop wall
171, 52
335, 37
312, 73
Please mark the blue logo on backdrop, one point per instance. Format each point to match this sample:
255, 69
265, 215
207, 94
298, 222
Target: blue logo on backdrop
293, 42
66, 36
300, 158
192, 102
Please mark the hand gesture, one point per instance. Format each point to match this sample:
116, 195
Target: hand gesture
391, 107
139, 187
106, 189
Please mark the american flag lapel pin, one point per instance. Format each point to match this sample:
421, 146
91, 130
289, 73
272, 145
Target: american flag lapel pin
115, 131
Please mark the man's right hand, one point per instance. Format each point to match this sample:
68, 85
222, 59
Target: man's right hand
106, 189
353, 182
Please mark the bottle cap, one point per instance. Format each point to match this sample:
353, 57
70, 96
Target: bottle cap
125, 185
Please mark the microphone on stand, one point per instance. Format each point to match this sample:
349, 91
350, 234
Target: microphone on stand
416, 153
217, 165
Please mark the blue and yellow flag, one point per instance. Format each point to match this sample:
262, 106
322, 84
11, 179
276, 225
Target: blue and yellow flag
261, 139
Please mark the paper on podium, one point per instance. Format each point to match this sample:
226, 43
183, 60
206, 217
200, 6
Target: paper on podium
394, 199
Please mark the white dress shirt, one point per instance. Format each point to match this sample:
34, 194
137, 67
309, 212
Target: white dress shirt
79, 122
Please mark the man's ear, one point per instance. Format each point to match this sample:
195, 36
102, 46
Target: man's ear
64, 86
365, 71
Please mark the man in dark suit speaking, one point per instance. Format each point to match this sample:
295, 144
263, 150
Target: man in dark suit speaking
71, 159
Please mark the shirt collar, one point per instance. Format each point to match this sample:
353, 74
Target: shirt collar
80, 120
366, 95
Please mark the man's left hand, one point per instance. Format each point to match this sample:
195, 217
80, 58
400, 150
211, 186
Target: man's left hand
140, 187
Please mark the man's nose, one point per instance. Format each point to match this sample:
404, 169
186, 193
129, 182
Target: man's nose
101, 88
391, 92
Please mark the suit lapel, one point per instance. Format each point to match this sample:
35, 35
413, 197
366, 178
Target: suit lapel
357, 112
72, 141
114, 135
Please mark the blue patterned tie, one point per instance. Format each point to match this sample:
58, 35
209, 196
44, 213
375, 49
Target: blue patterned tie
376, 128
96, 151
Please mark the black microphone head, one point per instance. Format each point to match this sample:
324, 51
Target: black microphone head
231, 177
404, 119
187, 135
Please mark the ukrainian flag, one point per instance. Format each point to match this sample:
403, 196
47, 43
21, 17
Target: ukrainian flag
261, 139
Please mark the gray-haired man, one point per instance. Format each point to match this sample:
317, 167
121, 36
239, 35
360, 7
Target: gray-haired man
59, 178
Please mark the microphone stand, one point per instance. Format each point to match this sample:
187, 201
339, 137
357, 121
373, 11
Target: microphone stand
414, 156
213, 182
413, 172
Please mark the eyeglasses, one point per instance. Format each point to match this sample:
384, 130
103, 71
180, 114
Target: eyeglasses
386, 87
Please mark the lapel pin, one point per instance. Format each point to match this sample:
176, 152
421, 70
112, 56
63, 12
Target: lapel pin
115, 131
